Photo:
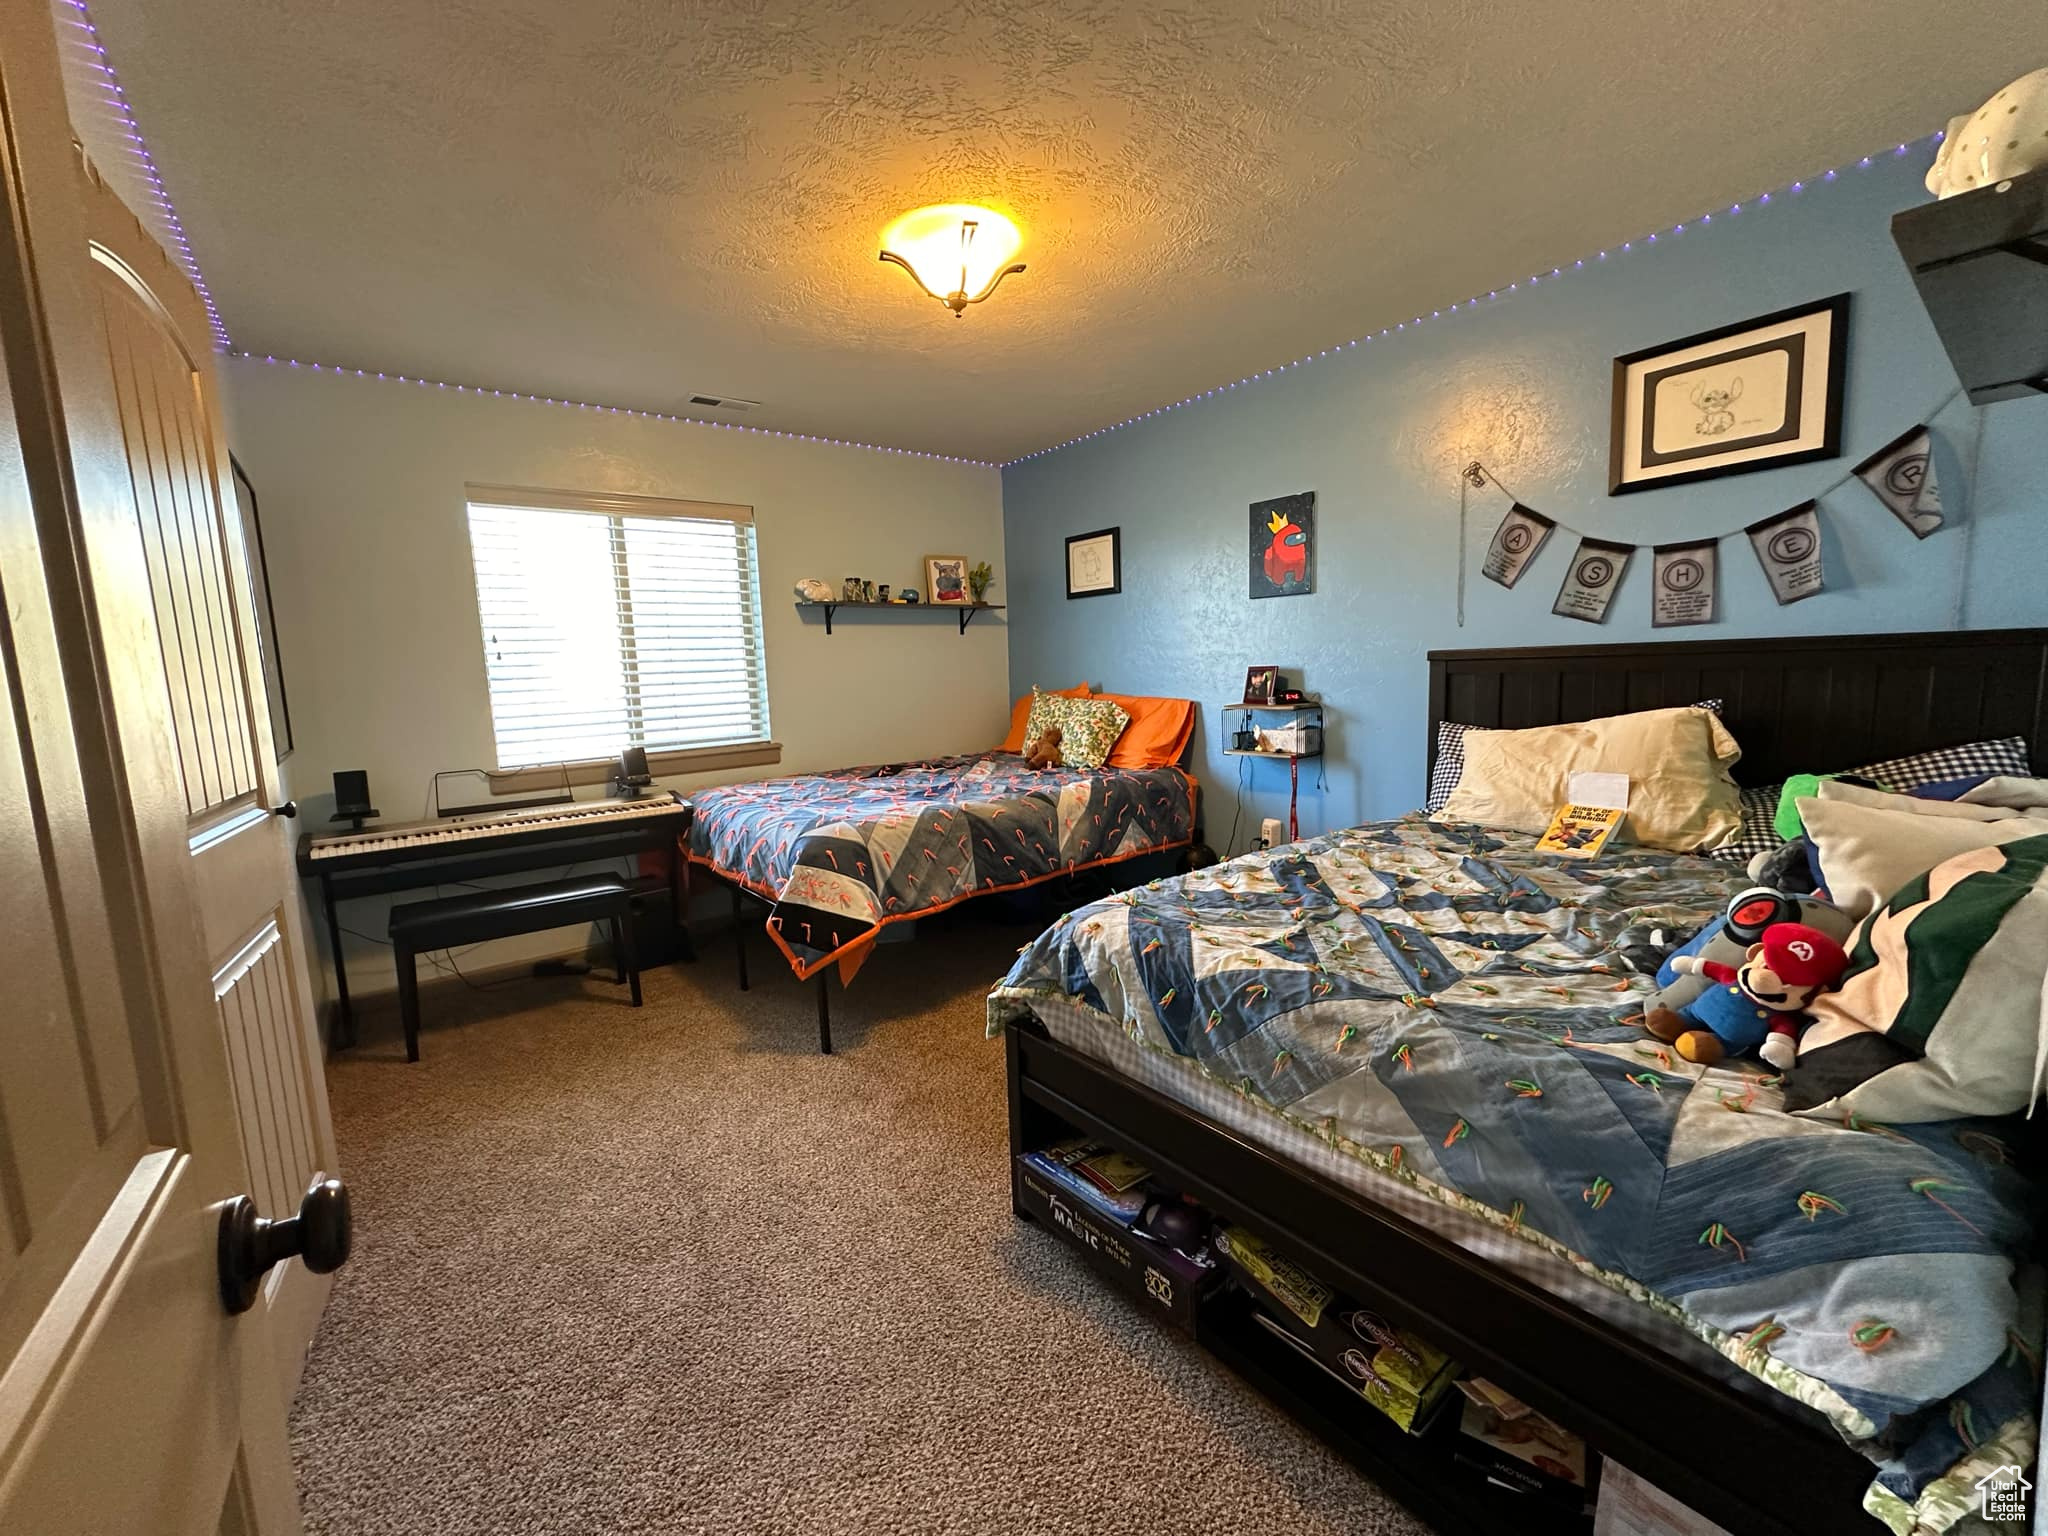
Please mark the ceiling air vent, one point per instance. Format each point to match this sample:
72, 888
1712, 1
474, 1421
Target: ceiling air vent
724, 402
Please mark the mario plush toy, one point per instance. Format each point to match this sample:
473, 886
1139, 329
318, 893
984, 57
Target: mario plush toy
1756, 1005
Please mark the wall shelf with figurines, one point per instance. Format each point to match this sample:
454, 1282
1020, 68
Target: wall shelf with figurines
866, 595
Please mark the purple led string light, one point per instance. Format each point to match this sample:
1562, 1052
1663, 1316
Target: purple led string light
1451, 309
336, 371
116, 100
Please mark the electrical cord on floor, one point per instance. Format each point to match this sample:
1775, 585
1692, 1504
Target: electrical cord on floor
444, 962
1243, 767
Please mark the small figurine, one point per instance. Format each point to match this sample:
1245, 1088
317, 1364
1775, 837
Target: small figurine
812, 590
849, 590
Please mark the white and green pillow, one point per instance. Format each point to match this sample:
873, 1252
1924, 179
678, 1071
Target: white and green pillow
1940, 1012
1088, 727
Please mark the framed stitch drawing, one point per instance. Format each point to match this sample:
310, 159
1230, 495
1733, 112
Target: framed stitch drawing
1758, 395
1095, 563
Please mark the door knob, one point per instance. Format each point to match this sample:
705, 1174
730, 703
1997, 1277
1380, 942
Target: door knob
249, 1244
288, 810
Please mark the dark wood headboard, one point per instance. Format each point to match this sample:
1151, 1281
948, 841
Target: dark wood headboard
1798, 704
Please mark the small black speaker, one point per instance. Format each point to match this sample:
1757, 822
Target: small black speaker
352, 796
630, 774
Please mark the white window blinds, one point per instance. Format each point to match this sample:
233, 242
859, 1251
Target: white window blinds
616, 621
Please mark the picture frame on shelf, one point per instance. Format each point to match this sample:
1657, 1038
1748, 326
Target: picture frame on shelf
1095, 563
946, 577
1261, 684
1760, 394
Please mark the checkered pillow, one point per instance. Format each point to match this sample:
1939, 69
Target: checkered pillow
1760, 805
1450, 759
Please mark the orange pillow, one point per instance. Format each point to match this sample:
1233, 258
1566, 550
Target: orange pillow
1020, 712
1158, 734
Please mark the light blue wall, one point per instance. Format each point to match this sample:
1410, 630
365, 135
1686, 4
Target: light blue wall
1378, 433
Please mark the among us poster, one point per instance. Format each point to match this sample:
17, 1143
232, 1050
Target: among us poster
1284, 546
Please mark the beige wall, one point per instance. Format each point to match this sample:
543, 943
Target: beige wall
361, 481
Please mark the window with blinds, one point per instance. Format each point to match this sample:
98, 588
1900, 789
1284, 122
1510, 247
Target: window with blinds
616, 621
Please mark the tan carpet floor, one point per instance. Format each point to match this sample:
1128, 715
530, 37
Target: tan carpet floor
670, 1270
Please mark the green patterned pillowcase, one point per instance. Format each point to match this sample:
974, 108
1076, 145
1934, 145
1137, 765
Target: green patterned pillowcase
1045, 713
1090, 728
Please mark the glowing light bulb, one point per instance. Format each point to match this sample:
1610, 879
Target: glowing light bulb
956, 251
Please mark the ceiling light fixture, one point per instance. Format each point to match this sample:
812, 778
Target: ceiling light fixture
955, 252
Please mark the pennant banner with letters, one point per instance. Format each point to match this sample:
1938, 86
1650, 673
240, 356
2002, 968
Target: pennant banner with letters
1788, 548
1901, 475
1590, 584
1682, 582
1516, 542
1685, 574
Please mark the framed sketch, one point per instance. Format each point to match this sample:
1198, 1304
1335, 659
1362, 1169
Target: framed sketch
946, 576
1283, 549
1095, 563
1261, 684
266, 613
1759, 395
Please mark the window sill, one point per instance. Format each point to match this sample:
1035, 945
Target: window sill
598, 770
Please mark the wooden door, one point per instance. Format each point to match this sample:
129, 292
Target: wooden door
160, 387
154, 1024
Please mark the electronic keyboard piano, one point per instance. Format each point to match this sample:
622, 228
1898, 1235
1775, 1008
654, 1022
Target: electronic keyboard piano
380, 860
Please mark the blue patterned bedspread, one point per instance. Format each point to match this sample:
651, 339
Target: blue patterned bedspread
1460, 1012
842, 854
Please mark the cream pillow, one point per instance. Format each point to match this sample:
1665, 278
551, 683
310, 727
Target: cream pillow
1866, 853
1834, 790
2009, 790
1680, 795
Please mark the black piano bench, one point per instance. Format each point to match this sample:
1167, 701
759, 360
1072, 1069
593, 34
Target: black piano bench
482, 915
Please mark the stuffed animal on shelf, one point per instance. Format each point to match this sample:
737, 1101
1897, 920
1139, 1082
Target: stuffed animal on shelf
1045, 752
1757, 1005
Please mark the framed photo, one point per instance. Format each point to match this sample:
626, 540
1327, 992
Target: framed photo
1095, 563
1284, 546
946, 576
1261, 685
1759, 395
266, 613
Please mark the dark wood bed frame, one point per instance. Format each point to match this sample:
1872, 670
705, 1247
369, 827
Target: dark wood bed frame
1796, 704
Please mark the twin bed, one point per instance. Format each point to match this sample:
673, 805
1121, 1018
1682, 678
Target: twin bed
839, 857
1409, 1054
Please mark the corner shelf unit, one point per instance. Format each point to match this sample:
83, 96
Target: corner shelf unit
966, 611
1293, 760
1307, 707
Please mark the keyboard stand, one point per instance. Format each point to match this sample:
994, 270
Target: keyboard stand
413, 869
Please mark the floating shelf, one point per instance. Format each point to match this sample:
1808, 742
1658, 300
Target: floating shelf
1285, 757
1282, 709
966, 611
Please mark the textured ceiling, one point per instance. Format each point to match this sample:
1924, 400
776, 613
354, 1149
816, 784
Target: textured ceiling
631, 201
